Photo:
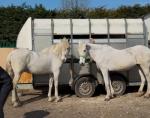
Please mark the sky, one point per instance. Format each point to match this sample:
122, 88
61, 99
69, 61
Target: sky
52, 4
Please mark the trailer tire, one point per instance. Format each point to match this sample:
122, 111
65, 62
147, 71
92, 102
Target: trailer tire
118, 84
85, 87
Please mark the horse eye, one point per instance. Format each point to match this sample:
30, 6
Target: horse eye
84, 50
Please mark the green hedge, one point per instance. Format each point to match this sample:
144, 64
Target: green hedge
6, 44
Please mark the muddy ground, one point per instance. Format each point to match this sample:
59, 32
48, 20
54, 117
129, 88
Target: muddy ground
35, 105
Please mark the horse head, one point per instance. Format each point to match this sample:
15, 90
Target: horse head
83, 49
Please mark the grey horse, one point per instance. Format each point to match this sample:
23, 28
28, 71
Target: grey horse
48, 61
111, 59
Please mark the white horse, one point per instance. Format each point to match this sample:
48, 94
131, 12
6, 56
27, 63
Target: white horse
48, 61
110, 59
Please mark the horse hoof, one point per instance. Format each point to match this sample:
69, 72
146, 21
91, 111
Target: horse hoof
70, 82
20, 94
113, 96
17, 104
147, 96
106, 99
58, 100
50, 99
12, 103
139, 94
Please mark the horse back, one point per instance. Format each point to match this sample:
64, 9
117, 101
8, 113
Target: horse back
141, 53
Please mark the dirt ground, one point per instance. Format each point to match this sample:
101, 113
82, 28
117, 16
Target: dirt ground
35, 105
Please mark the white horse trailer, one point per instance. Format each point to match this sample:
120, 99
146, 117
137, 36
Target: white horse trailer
37, 34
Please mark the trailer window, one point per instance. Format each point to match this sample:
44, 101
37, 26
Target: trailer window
80, 36
62, 36
117, 36
99, 36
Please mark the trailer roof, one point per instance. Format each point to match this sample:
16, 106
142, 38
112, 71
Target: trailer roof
98, 26
45, 27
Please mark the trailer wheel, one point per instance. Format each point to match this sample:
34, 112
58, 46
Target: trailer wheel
85, 87
118, 84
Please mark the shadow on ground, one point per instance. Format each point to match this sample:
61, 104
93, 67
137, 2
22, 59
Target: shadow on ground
36, 114
66, 92
33, 99
100, 90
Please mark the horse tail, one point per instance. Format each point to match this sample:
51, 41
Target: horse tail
9, 68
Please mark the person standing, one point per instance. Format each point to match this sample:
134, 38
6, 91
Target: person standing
5, 88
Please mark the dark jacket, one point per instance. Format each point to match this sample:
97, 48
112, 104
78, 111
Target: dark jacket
3, 75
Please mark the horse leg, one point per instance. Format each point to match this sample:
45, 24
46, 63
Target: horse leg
15, 99
71, 77
147, 95
107, 84
147, 77
51, 80
140, 91
56, 74
111, 89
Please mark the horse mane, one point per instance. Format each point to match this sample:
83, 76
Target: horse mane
57, 48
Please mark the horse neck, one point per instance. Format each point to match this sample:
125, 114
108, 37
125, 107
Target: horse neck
57, 50
96, 48
54, 49
91, 50
91, 53
45, 51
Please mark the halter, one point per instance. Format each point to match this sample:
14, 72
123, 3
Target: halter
87, 58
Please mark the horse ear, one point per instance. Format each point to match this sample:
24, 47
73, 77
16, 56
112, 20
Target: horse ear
88, 47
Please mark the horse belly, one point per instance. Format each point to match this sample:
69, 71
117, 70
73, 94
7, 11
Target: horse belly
40, 68
121, 63
39, 71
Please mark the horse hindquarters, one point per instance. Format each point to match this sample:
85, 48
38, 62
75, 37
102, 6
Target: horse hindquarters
142, 76
9, 68
14, 67
146, 72
15, 98
143, 59
15, 76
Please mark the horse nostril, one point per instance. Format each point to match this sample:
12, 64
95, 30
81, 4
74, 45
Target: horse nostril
82, 64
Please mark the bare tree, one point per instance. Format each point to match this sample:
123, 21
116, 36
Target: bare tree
70, 4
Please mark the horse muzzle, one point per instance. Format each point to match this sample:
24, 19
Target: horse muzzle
65, 59
82, 64
82, 61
